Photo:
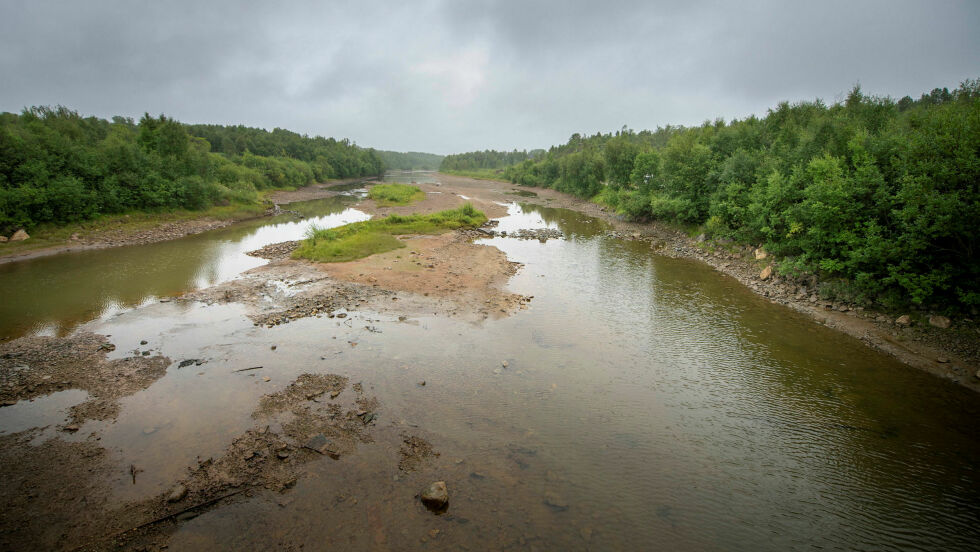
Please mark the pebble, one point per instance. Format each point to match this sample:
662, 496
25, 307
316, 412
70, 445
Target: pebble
436, 495
177, 494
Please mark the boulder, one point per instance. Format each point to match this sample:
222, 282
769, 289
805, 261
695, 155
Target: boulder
939, 321
436, 496
19, 235
3, 239
766, 273
760, 254
904, 320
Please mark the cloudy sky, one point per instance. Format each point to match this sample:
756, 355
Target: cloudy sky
450, 76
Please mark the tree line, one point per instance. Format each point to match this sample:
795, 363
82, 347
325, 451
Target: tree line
59, 167
877, 197
487, 159
412, 160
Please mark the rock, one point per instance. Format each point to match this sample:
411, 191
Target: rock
977, 375
334, 394
283, 454
177, 494
321, 444
760, 254
266, 378
504, 364
555, 502
71, 428
637, 235
368, 417
75, 237
273, 347
3, 239
942, 360
701, 238
766, 273
434, 533
904, 320
939, 321
436, 496
422, 383
143, 342
19, 235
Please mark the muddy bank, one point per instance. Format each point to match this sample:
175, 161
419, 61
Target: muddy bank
164, 231
952, 353
444, 275
55, 496
35, 366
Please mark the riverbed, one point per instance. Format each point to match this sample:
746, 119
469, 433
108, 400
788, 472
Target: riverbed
635, 401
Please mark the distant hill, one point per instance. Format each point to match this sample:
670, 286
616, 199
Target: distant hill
412, 160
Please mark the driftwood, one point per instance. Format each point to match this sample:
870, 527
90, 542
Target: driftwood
162, 518
247, 369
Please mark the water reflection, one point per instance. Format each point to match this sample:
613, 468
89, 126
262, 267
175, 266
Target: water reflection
54, 294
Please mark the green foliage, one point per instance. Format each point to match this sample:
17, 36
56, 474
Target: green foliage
487, 159
412, 160
361, 239
57, 167
395, 194
879, 197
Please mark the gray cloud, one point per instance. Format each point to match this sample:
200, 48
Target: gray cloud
447, 76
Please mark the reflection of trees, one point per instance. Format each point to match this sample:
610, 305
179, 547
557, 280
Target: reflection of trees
573, 225
62, 291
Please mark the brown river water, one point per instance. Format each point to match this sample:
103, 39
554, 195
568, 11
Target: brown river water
646, 403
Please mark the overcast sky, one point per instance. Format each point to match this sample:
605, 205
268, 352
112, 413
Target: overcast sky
450, 76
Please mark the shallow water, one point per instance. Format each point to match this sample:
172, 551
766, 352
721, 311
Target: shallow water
52, 295
647, 403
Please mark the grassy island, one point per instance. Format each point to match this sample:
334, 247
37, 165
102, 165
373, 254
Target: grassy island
361, 239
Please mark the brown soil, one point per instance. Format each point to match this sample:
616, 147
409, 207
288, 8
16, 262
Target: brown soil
35, 366
54, 498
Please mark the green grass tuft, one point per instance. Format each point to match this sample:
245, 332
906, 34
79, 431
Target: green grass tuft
361, 239
395, 194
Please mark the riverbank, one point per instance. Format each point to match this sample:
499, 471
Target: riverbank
302, 405
952, 353
146, 228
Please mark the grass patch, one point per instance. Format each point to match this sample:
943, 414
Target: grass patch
395, 194
362, 239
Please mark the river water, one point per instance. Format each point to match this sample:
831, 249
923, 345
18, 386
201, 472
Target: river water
646, 403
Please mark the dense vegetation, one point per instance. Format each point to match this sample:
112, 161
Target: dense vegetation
487, 159
361, 239
409, 161
395, 194
59, 167
879, 198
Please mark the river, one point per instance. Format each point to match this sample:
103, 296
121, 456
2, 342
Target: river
641, 402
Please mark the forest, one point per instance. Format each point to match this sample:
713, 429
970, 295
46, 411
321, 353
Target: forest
58, 167
878, 198
409, 161
487, 159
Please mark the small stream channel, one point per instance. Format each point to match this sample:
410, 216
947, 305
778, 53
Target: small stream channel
646, 403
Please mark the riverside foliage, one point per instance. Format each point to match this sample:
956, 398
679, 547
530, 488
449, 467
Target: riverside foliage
361, 239
59, 167
879, 198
